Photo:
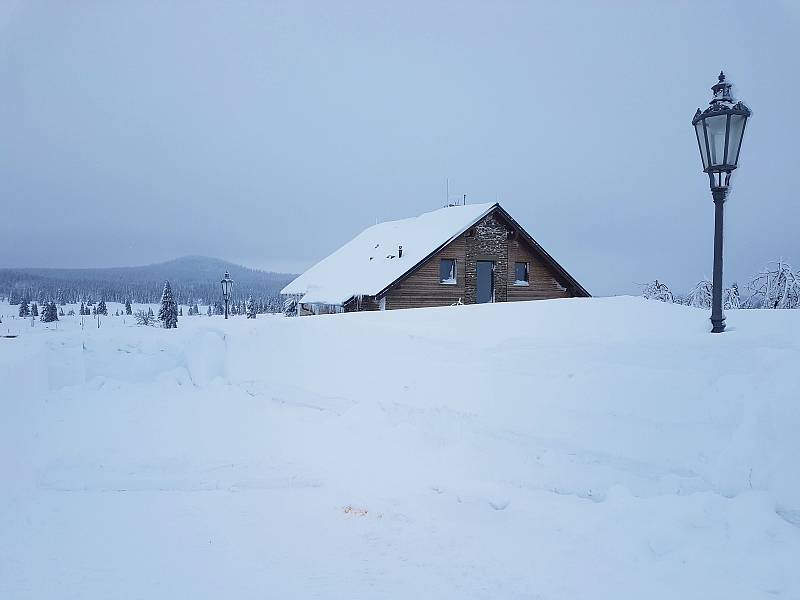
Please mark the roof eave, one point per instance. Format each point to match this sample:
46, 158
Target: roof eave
578, 289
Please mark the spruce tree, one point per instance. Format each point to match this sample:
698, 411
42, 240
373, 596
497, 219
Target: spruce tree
101, 308
34, 310
168, 313
24, 311
49, 312
251, 308
15, 297
150, 311
128, 309
209, 310
196, 310
82, 310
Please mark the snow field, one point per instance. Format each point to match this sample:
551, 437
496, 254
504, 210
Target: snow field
600, 448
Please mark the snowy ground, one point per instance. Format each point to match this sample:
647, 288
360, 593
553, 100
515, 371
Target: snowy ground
568, 449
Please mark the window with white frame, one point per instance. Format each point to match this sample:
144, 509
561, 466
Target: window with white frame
447, 271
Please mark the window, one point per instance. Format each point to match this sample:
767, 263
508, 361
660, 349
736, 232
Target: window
520, 273
447, 271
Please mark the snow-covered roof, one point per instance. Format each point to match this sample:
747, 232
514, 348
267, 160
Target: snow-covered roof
370, 262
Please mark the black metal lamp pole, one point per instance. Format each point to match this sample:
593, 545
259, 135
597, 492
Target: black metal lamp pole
226, 283
720, 130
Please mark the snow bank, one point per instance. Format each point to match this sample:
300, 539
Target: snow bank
586, 448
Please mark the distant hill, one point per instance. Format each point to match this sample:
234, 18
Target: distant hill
193, 279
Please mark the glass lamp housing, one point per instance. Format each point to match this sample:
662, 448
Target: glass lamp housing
719, 130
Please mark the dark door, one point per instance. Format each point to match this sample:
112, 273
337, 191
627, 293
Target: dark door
485, 291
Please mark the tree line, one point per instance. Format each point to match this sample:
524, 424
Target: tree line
777, 286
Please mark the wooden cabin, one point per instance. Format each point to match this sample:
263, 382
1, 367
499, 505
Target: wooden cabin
455, 255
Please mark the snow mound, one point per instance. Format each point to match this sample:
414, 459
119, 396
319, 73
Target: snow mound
582, 448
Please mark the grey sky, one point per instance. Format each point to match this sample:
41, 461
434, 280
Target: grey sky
271, 133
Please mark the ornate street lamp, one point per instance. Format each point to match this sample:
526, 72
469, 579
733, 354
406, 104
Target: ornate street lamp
720, 129
227, 284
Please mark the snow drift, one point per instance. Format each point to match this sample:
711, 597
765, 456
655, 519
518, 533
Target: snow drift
601, 448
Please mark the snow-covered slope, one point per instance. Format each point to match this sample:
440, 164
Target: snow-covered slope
601, 448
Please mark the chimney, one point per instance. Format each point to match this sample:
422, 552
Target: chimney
399, 252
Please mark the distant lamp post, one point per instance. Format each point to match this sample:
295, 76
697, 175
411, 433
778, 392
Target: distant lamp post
720, 129
227, 284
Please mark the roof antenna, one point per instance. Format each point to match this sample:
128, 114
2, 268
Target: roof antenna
465, 199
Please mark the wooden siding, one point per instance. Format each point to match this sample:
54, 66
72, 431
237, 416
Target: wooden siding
542, 282
422, 288
496, 237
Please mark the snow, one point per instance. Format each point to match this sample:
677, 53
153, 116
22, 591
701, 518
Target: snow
565, 449
370, 262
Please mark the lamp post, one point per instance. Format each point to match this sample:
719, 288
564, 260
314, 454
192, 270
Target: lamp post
227, 284
719, 130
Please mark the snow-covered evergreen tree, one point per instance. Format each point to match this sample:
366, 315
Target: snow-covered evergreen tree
60, 297
208, 312
128, 309
101, 308
82, 309
290, 306
251, 308
49, 312
24, 310
14, 297
168, 313
150, 311
180, 311
657, 290
34, 310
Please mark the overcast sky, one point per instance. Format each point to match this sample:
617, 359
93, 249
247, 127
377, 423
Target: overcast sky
270, 133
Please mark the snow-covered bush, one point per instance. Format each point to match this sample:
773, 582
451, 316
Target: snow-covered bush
776, 286
700, 296
657, 290
730, 298
251, 308
144, 317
